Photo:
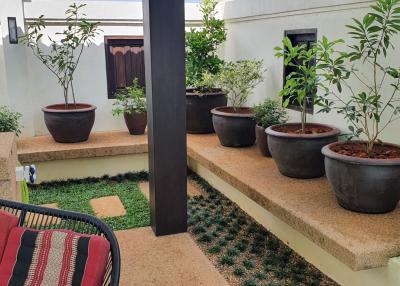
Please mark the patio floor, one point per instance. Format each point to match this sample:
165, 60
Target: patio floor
169, 260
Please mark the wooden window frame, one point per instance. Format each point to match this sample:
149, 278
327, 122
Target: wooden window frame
288, 33
107, 41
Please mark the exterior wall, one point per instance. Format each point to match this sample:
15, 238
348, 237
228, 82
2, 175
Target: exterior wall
28, 86
256, 27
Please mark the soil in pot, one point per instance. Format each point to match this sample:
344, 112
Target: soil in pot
235, 128
136, 123
262, 141
297, 154
69, 124
198, 110
360, 183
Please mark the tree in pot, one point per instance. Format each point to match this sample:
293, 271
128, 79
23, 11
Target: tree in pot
131, 102
234, 124
296, 147
364, 174
67, 122
202, 63
268, 113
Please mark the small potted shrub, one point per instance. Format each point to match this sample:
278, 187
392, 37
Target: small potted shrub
9, 120
131, 102
69, 122
364, 173
202, 62
296, 147
234, 124
266, 114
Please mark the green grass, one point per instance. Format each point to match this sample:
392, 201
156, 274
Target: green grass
75, 196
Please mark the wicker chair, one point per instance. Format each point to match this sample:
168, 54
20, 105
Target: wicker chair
36, 217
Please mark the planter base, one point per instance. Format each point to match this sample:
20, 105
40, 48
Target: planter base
69, 125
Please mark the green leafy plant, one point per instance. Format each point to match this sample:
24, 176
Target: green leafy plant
238, 79
302, 83
9, 120
201, 47
371, 106
64, 54
269, 113
130, 100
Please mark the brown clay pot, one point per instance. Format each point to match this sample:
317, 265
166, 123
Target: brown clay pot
234, 128
136, 123
362, 184
299, 155
198, 110
262, 141
69, 124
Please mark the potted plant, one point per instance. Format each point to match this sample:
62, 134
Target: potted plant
9, 120
365, 173
131, 102
69, 122
268, 113
296, 147
202, 61
234, 124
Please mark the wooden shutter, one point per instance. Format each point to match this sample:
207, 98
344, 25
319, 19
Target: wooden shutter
124, 61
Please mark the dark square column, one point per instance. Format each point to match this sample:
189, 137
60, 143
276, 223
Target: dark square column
164, 34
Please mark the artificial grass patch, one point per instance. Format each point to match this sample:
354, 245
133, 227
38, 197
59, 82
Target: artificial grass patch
74, 195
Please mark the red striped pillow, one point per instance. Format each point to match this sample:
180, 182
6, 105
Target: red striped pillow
7, 222
53, 257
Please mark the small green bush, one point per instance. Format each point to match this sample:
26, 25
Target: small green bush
248, 264
250, 282
130, 100
238, 271
269, 113
9, 120
215, 249
227, 260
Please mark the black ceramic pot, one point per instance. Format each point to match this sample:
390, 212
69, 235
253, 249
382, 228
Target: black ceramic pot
234, 128
136, 123
362, 184
198, 110
71, 124
299, 155
262, 141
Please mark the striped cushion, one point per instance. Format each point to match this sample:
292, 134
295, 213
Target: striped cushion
7, 222
53, 258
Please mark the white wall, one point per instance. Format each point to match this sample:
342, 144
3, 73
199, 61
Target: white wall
40, 87
256, 27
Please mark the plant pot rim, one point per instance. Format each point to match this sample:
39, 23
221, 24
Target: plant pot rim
333, 132
215, 92
327, 151
135, 113
219, 111
58, 108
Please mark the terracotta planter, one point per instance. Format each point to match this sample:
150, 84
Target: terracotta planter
70, 124
262, 141
299, 155
198, 110
136, 123
234, 129
363, 184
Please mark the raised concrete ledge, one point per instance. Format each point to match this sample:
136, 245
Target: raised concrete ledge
100, 144
360, 241
8, 163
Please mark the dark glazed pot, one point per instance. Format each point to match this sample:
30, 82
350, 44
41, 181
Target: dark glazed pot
362, 184
234, 129
69, 125
262, 141
198, 110
299, 155
136, 123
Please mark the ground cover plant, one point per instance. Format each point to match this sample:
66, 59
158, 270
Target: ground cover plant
74, 195
244, 252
